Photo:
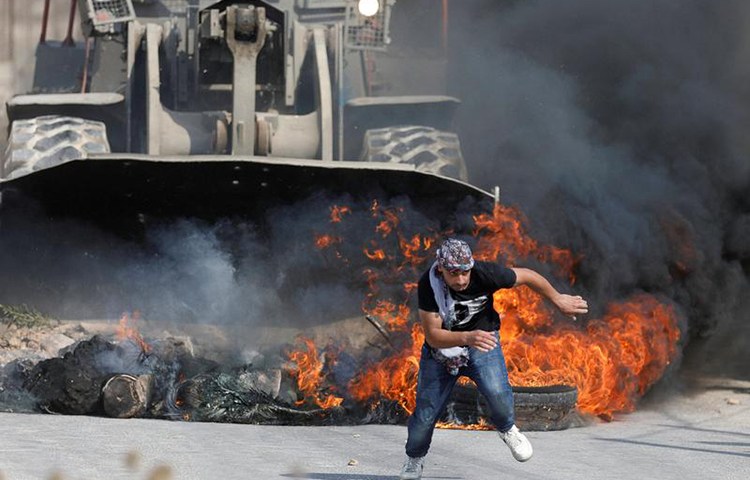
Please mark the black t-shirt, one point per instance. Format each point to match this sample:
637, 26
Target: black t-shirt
474, 304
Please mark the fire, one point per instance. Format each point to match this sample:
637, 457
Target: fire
502, 235
329, 241
414, 250
338, 212
389, 218
482, 425
126, 330
394, 378
395, 316
376, 255
326, 241
612, 360
310, 379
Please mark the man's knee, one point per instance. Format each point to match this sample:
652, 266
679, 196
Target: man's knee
424, 418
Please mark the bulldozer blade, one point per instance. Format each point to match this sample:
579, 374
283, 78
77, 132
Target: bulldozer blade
116, 189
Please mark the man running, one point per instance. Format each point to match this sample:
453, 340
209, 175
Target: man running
461, 338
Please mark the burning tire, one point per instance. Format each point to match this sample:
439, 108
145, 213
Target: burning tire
536, 408
44, 142
546, 408
430, 150
127, 396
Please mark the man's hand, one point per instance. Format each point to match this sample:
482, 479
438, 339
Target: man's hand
571, 305
439, 338
481, 340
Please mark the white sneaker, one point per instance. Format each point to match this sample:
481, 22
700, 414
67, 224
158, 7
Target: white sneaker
519, 445
412, 469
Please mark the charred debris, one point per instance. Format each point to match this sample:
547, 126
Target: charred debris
166, 380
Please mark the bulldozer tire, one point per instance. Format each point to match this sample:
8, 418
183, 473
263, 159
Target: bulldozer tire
430, 150
44, 142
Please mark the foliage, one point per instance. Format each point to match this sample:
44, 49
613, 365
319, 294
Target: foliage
23, 316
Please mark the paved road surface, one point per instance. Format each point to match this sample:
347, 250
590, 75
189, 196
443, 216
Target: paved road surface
693, 436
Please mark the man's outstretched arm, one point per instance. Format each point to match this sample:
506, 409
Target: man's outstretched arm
568, 304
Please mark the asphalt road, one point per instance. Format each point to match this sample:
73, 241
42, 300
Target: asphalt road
689, 436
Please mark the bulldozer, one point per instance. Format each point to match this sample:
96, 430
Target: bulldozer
205, 107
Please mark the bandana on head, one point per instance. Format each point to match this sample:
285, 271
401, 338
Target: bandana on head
455, 255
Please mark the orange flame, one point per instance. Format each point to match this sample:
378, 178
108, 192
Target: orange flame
502, 235
612, 361
394, 378
396, 317
326, 241
412, 252
415, 249
482, 425
337, 213
126, 330
308, 372
377, 255
390, 218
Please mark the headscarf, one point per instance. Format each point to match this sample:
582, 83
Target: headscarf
455, 254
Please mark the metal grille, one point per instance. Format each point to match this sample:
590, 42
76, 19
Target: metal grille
177, 5
367, 33
106, 12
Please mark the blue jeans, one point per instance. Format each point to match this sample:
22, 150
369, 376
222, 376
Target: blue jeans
434, 386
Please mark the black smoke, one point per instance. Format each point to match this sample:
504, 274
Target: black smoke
260, 271
620, 130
